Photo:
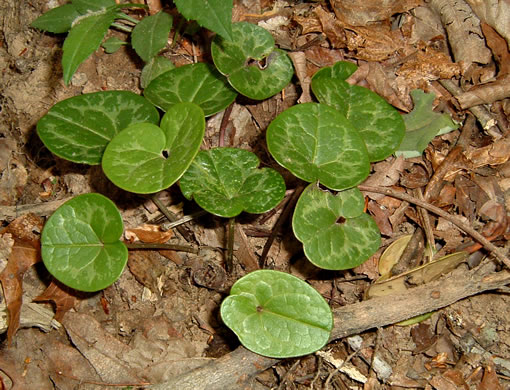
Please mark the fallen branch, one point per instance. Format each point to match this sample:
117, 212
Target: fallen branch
235, 368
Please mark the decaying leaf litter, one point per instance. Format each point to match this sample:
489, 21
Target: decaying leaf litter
160, 320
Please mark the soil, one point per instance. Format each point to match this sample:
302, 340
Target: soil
161, 318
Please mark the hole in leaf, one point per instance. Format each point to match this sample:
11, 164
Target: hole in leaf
259, 309
340, 220
165, 154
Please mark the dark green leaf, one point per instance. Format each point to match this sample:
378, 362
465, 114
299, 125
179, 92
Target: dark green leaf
277, 315
215, 15
252, 64
79, 128
341, 70
226, 181
83, 40
198, 83
335, 232
57, 20
151, 34
316, 142
145, 158
155, 67
86, 6
112, 44
80, 243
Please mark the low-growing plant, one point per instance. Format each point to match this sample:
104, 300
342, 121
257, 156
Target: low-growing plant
328, 144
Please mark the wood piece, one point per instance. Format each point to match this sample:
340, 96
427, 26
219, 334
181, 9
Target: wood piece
9, 213
235, 368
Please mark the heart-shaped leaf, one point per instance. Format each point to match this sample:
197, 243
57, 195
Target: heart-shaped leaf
316, 142
155, 67
84, 39
195, 83
57, 20
335, 232
151, 34
379, 123
145, 158
215, 15
79, 128
341, 70
277, 315
80, 243
252, 64
226, 181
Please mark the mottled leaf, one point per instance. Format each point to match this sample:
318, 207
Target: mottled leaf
226, 181
145, 158
252, 64
277, 315
316, 142
195, 83
155, 67
80, 243
79, 128
335, 232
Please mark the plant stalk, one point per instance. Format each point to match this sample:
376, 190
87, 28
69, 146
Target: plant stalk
171, 217
229, 262
171, 247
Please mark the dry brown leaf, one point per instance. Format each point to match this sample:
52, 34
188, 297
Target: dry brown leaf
486, 93
24, 254
363, 13
299, 60
149, 234
490, 379
494, 154
499, 48
64, 298
494, 13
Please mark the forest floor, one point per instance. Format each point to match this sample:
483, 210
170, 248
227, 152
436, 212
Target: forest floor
161, 320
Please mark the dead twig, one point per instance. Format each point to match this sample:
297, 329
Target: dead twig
451, 218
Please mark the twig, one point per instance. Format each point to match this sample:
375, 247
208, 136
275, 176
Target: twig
283, 217
287, 374
171, 217
81, 380
451, 218
337, 369
172, 247
224, 123
229, 263
170, 225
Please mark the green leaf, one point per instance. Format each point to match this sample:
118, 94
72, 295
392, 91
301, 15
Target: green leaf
80, 243
57, 20
252, 64
198, 83
277, 315
380, 125
316, 142
226, 181
155, 67
87, 6
83, 40
150, 35
112, 44
341, 70
79, 128
145, 158
214, 15
335, 232
423, 124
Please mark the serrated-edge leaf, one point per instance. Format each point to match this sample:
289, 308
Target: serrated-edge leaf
79, 128
135, 159
80, 243
198, 83
83, 40
215, 15
57, 20
316, 142
226, 181
331, 243
150, 35
277, 315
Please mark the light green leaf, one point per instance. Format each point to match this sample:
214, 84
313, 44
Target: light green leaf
252, 64
57, 20
79, 128
198, 83
316, 142
226, 181
155, 67
380, 125
83, 40
335, 232
145, 158
277, 315
150, 35
214, 15
86, 6
80, 243
423, 124
112, 44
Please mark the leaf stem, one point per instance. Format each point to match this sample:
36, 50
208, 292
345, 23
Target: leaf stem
498, 253
172, 247
171, 217
224, 123
124, 16
229, 262
121, 27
